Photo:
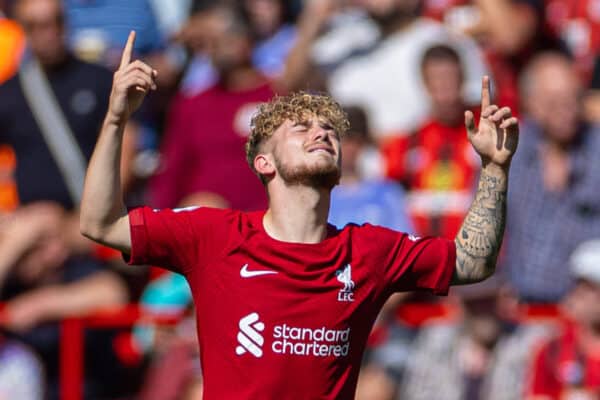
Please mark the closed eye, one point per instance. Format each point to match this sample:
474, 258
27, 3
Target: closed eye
300, 126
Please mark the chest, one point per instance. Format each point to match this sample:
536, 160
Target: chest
287, 297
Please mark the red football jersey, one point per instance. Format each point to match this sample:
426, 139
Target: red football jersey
280, 320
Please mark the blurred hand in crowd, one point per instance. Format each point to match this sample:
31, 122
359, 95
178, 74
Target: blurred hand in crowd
34, 240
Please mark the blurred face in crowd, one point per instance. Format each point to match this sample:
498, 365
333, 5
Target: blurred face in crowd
583, 303
307, 152
443, 81
229, 44
265, 16
482, 320
43, 24
553, 98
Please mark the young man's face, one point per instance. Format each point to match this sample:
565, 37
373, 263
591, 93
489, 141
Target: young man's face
307, 152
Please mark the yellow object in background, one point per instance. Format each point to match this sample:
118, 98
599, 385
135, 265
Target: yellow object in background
12, 44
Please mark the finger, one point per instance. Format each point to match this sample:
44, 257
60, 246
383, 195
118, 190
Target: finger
139, 83
485, 92
137, 76
489, 110
134, 83
126, 57
470, 123
509, 122
501, 114
142, 66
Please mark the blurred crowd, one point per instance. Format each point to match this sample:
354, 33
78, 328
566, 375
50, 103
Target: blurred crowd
405, 71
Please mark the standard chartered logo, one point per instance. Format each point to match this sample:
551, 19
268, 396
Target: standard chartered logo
249, 338
318, 342
291, 340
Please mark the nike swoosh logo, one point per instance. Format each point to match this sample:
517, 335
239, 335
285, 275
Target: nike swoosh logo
244, 273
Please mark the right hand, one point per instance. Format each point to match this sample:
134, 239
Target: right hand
130, 84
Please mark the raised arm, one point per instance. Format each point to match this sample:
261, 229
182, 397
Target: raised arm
103, 216
478, 240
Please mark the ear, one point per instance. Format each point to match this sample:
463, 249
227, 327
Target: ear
264, 165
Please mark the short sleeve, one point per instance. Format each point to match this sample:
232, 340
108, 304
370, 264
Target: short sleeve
410, 263
177, 239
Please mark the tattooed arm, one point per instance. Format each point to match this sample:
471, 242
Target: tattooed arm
479, 239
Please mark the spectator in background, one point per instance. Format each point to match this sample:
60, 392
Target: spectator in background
568, 365
554, 185
269, 26
46, 272
483, 355
385, 80
274, 33
210, 129
357, 199
436, 162
508, 31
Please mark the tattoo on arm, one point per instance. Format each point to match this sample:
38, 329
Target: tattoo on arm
478, 240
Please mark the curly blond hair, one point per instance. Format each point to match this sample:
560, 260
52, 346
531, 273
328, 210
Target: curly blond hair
295, 107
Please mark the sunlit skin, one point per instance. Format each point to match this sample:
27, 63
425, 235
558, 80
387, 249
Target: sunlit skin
301, 150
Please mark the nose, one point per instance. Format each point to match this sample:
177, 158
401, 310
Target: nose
319, 134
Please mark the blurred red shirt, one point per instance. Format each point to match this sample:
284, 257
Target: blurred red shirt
203, 149
561, 370
438, 166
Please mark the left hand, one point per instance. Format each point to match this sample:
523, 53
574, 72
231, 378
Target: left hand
497, 136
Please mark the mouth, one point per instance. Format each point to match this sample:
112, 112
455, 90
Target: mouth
322, 149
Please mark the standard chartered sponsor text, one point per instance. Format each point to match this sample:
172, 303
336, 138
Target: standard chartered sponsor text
318, 342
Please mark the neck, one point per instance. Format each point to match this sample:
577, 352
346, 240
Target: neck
241, 78
449, 116
298, 214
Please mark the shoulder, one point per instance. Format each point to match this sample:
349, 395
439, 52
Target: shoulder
373, 236
193, 214
204, 213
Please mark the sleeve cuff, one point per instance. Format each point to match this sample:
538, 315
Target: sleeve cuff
139, 237
443, 284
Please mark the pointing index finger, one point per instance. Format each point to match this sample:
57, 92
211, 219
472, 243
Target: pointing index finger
485, 92
128, 50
